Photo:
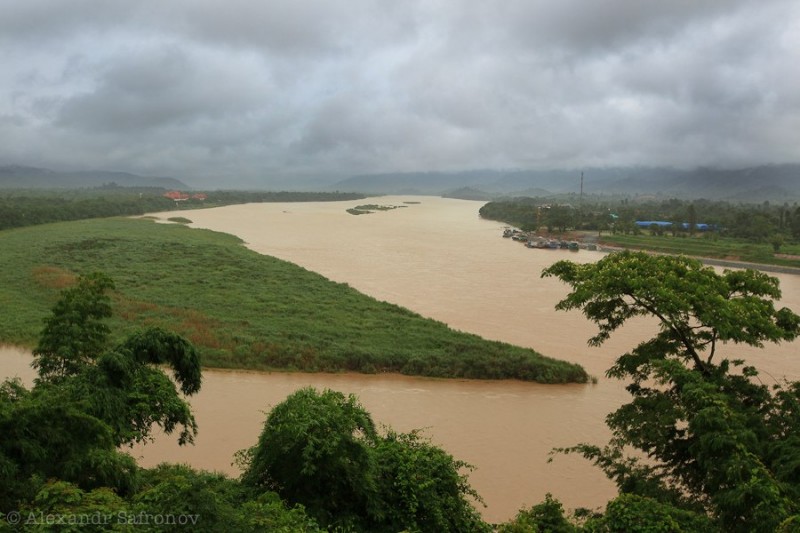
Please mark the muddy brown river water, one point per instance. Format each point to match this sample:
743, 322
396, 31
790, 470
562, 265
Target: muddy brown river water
437, 257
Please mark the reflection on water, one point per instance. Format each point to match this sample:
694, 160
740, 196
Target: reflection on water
441, 260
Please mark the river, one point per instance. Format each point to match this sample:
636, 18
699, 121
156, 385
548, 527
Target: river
437, 257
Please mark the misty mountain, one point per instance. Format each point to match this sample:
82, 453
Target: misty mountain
768, 182
415, 182
22, 177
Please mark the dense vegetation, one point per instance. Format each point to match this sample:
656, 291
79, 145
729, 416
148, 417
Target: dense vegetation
745, 221
27, 208
61, 467
323, 451
239, 308
366, 209
716, 449
19, 208
722, 447
747, 232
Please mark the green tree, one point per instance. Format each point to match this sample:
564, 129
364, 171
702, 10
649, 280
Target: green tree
676, 224
75, 333
111, 384
420, 488
656, 229
559, 217
315, 450
629, 513
128, 390
795, 223
697, 308
212, 502
96, 510
754, 225
547, 516
777, 240
717, 440
46, 434
321, 450
691, 215
89, 400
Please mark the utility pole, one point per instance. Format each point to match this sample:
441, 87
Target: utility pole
580, 204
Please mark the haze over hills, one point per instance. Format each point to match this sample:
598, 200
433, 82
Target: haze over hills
774, 183
23, 177
761, 183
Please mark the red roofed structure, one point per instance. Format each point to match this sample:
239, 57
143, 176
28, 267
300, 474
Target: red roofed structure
176, 195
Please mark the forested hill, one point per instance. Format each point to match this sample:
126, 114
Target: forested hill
23, 177
753, 184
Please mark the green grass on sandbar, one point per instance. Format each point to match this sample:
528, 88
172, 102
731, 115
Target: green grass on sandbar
241, 309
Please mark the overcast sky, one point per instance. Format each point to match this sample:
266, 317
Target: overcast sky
244, 92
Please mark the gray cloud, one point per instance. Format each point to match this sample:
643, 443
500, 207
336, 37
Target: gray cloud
162, 86
241, 92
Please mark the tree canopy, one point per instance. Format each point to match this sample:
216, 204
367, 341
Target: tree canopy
75, 333
322, 450
697, 308
718, 442
89, 398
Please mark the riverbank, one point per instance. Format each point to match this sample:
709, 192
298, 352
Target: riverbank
724, 263
722, 251
242, 309
582, 239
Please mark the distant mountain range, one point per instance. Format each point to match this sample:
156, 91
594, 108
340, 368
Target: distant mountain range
762, 183
22, 177
774, 183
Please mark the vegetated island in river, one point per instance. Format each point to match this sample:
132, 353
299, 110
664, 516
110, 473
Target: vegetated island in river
242, 309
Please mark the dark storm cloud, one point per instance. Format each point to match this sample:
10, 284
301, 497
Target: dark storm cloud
154, 87
254, 91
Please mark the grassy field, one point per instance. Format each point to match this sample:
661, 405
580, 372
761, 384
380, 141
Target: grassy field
707, 246
240, 308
